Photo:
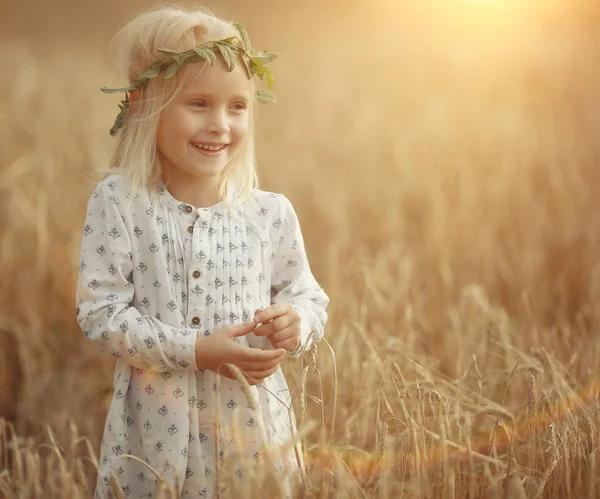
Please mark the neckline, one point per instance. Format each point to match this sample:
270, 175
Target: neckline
180, 206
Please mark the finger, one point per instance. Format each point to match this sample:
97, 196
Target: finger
241, 329
242, 355
225, 371
251, 379
277, 324
284, 334
247, 354
289, 344
261, 365
261, 375
263, 330
263, 372
271, 312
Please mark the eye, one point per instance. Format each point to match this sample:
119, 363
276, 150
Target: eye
239, 106
199, 103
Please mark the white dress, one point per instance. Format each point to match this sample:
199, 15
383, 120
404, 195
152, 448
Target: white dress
154, 273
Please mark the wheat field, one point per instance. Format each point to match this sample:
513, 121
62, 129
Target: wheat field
443, 158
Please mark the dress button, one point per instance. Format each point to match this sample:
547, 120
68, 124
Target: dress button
191, 229
188, 209
196, 274
196, 320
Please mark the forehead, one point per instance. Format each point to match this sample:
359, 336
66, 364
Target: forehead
203, 78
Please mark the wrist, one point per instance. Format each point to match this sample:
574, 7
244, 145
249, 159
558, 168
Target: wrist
199, 352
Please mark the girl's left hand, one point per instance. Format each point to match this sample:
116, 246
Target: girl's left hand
281, 323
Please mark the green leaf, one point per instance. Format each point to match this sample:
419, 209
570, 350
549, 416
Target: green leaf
159, 64
212, 56
168, 51
265, 57
119, 122
256, 63
172, 69
257, 67
117, 90
243, 35
206, 54
151, 73
247, 64
265, 96
270, 79
191, 58
228, 55
174, 54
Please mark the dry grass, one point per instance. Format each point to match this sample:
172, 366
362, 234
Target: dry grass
444, 165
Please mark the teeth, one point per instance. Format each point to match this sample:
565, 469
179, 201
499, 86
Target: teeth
209, 148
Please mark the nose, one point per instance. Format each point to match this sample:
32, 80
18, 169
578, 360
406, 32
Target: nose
218, 124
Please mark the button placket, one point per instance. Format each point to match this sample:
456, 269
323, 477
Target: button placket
193, 317
197, 280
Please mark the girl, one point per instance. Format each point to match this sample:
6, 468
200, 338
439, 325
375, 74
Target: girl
187, 268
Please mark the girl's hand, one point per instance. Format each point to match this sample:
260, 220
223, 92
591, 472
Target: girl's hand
281, 323
214, 351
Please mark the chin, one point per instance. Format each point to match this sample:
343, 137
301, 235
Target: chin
208, 172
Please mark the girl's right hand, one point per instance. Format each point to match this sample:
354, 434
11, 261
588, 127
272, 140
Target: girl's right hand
214, 351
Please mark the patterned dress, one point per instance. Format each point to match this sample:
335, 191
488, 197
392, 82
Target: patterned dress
154, 273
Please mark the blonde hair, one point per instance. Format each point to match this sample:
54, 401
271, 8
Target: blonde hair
136, 45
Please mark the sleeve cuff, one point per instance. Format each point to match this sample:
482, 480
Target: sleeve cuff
307, 334
185, 350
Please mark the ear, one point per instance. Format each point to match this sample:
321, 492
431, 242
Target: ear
134, 98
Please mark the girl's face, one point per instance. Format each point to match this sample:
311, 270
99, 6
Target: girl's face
205, 125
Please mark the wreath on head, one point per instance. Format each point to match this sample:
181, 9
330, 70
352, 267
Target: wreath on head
256, 63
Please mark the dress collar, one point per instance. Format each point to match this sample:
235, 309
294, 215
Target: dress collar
181, 208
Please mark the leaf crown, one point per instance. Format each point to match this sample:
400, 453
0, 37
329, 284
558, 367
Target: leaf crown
256, 63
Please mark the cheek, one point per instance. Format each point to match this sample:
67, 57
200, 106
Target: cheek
240, 130
163, 139
176, 127
185, 127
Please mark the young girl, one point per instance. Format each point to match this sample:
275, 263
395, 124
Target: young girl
187, 268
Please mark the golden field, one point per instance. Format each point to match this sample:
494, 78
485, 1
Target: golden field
443, 157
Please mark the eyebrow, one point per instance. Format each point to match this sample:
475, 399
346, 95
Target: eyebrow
194, 95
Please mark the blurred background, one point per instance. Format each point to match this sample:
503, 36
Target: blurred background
443, 158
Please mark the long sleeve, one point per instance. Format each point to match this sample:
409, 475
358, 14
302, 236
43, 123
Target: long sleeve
293, 282
105, 293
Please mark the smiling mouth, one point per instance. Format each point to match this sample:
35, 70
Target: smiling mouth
210, 148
